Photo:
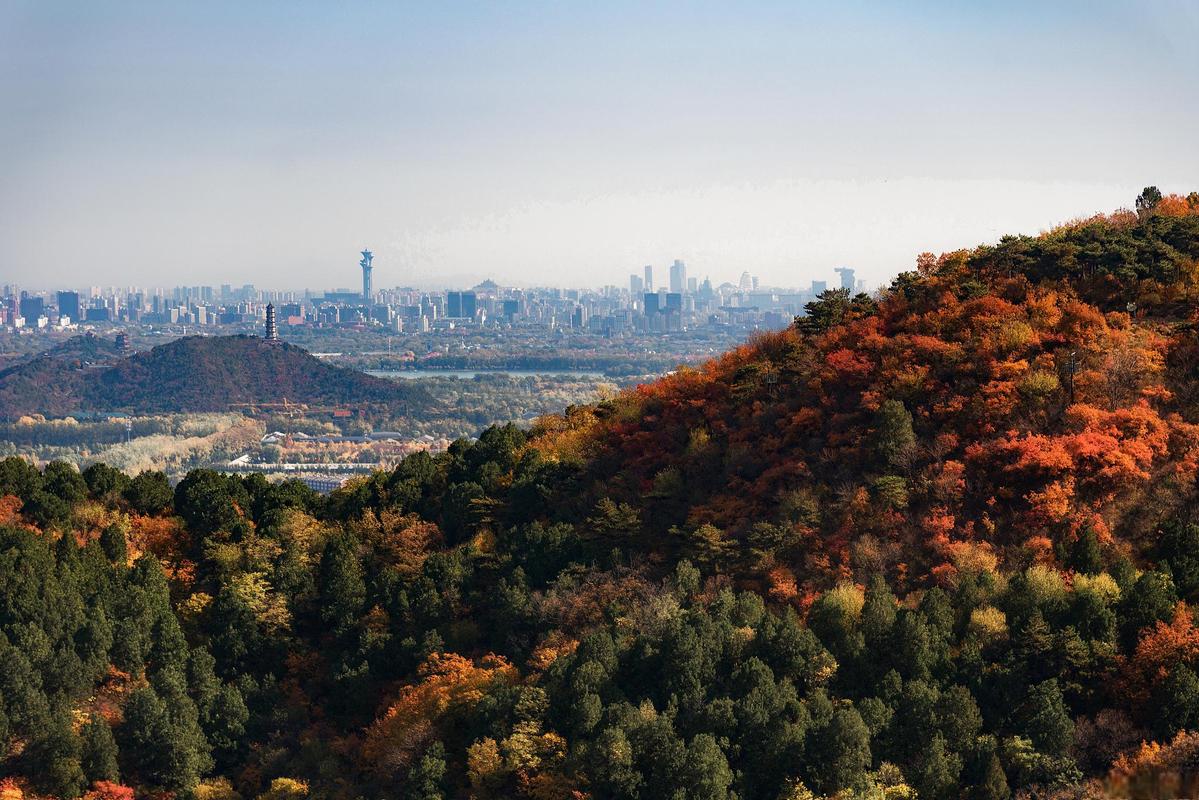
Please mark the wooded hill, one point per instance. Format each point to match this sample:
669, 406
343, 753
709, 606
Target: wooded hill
938, 543
194, 373
981, 404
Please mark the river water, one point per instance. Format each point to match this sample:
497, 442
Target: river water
414, 374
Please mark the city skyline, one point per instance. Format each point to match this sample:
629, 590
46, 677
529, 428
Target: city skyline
684, 304
366, 276
544, 143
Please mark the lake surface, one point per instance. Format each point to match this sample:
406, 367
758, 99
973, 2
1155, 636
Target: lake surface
414, 374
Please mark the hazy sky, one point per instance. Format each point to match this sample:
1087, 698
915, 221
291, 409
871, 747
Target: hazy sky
169, 143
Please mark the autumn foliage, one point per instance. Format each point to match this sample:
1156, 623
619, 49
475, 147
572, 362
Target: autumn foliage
449, 685
979, 402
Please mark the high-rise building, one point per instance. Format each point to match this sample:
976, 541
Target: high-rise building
672, 312
461, 305
692, 285
68, 305
847, 277
365, 263
649, 278
678, 277
651, 303
636, 285
32, 308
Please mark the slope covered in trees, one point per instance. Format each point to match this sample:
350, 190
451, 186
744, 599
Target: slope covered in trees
195, 373
938, 544
51, 382
84, 349
971, 411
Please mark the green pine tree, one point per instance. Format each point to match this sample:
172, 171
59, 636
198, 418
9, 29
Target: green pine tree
340, 584
54, 759
99, 757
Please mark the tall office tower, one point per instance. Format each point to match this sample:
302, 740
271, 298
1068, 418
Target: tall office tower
31, 308
636, 285
272, 332
672, 310
651, 304
365, 263
461, 305
692, 285
470, 305
746, 282
847, 277
678, 277
649, 278
68, 305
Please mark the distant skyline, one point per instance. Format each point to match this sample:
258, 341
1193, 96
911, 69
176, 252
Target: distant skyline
561, 144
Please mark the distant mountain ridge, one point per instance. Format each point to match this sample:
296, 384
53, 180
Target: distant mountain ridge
191, 374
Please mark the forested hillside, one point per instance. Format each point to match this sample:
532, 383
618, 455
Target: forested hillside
50, 382
191, 374
937, 543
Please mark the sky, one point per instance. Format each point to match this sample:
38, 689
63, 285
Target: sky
162, 144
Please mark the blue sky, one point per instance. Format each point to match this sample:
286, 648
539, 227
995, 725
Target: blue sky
164, 143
